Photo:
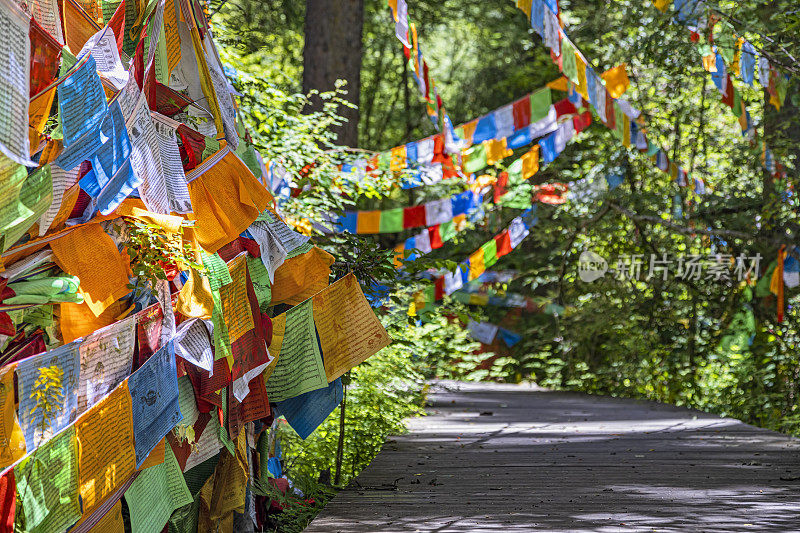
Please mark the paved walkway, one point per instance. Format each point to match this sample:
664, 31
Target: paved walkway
492, 458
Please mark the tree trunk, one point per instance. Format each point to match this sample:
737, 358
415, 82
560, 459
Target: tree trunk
333, 51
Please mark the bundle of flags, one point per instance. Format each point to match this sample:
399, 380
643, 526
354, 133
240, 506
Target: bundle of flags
156, 313
486, 332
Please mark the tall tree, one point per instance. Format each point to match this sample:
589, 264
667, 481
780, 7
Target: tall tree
332, 51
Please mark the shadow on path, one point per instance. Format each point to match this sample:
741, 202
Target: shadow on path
517, 458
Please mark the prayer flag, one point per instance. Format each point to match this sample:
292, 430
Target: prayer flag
15, 83
154, 399
47, 485
485, 129
106, 456
616, 79
48, 393
522, 112
306, 412
391, 221
299, 368
369, 222
414, 217
489, 253
476, 266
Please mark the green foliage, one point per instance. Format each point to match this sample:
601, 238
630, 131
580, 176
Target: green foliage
297, 510
444, 346
151, 248
47, 395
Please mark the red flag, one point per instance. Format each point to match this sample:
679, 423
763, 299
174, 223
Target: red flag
522, 112
45, 56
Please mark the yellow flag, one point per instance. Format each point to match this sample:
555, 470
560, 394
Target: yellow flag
226, 199
476, 267
616, 79
368, 222
301, 277
525, 6
530, 162
195, 299
38, 113
349, 332
661, 5
12, 440
106, 455
79, 253
398, 159
559, 84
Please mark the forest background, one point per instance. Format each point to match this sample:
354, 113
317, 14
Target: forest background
710, 344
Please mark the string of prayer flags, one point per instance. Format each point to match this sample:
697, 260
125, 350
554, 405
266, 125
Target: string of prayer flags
430, 239
484, 257
399, 219
434, 237
420, 71
725, 53
513, 300
425, 161
616, 113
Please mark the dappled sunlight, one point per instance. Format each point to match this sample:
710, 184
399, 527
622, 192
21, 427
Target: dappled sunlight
563, 462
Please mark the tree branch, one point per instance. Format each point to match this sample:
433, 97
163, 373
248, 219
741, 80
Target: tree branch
572, 239
685, 230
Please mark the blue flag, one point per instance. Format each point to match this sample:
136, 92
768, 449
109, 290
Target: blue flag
81, 108
547, 148
306, 412
509, 337
485, 129
112, 179
537, 16
747, 63
154, 400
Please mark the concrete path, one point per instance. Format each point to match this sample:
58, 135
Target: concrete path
515, 458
